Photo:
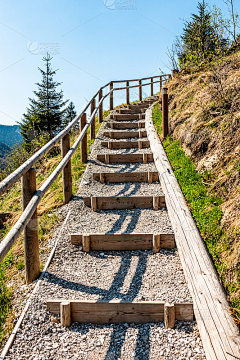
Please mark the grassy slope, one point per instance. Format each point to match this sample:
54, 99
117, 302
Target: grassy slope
12, 275
204, 151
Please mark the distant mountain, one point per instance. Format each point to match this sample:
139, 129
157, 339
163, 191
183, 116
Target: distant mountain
4, 150
10, 135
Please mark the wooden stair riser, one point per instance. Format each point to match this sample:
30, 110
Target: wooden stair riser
126, 125
127, 177
137, 144
125, 158
124, 242
127, 117
125, 134
124, 202
115, 312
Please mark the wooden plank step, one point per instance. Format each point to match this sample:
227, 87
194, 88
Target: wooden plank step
137, 144
131, 111
125, 158
115, 312
126, 125
124, 202
125, 134
123, 242
124, 117
135, 176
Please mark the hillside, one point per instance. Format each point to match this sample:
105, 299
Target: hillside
10, 135
4, 150
205, 118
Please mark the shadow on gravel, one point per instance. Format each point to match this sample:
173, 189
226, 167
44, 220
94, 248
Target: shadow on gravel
129, 168
127, 187
115, 290
135, 215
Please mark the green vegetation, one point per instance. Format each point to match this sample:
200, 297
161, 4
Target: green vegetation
206, 37
47, 112
205, 207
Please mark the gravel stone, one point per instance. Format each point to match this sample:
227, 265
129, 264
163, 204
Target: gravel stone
128, 276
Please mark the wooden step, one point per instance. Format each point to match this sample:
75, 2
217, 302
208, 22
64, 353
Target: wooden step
135, 176
124, 117
125, 158
124, 202
131, 111
137, 144
115, 312
125, 134
123, 242
126, 125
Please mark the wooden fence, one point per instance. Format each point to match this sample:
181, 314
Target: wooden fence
31, 196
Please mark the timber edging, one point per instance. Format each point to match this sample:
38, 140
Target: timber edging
219, 333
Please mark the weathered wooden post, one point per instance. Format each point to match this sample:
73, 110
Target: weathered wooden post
169, 315
92, 127
67, 172
31, 244
83, 122
160, 83
151, 86
65, 313
164, 112
127, 93
100, 109
111, 97
140, 90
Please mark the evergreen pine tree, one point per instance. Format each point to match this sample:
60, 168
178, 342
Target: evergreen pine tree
200, 39
46, 111
69, 115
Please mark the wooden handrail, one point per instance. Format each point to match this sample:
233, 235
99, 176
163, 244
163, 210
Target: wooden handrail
20, 225
25, 219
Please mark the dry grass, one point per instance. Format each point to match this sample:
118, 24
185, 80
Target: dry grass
205, 118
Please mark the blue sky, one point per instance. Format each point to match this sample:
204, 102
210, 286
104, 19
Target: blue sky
92, 42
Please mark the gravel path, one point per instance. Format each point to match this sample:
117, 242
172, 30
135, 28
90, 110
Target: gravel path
128, 276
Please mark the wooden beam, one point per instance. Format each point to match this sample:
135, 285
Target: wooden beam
122, 242
84, 139
125, 144
92, 127
65, 313
31, 243
127, 177
124, 117
125, 134
67, 172
116, 312
124, 202
100, 109
125, 158
219, 333
169, 315
126, 125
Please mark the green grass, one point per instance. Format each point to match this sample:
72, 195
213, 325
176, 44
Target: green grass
205, 207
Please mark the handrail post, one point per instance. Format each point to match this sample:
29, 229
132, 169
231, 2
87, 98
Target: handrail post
83, 122
140, 90
151, 86
127, 93
31, 243
111, 97
100, 109
67, 172
164, 112
92, 127
160, 77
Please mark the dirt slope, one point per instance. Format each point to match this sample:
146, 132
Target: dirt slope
205, 118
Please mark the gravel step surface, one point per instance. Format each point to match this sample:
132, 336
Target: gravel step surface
128, 276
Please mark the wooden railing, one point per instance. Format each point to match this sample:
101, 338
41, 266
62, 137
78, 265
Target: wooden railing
31, 196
